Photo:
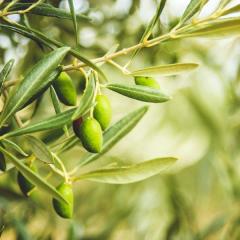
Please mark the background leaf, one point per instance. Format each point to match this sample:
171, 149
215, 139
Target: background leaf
39, 149
129, 174
34, 81
140, 93
33, 177
165, 70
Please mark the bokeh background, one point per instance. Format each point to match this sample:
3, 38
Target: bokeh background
199, 197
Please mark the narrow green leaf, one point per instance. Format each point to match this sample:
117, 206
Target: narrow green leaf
14, 146
140, 93
4, 73
193, 7
49, 11
129, 174
39, 149
234, 9
56, 105
87, 98
37, 180
150, 26
116, 132
165, 70
57, 121
34, 81
215, 28
70, 143
223, 3
51, 43
74, 19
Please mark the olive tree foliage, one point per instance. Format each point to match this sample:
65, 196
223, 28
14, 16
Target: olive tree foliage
83, 117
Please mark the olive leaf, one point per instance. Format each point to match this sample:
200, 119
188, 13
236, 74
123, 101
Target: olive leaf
193, 7
39, 149
87, 98
131, 173
41, 38
14, 146
74, 19
56, 121
165, 70
215, 28
56, 105
34, 81
48, 10
4, 73
234, 9
140, 93
70, 143
116, 132
33, 177
150, 26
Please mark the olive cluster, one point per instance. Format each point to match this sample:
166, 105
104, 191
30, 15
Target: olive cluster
88, 128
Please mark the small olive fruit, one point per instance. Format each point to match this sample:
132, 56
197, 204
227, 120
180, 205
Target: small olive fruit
90, 133
2, 162
24, 184
65, 89
103, 111
64, 210
147, 81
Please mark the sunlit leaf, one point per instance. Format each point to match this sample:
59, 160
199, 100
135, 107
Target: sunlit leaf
4, 73
129, 174
215, 28
193, 7
165, 70
234, 9
34, 81
150, 26
87, 99
36, 179
39, 149
140, 93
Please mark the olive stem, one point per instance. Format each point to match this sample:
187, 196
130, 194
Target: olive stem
62, 166
124, 70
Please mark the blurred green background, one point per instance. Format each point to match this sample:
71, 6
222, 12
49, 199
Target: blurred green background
199, 197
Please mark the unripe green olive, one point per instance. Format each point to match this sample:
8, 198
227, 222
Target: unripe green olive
147, 81
103, 111
90, 133
24, 184
65, 89
64, 210
2, 162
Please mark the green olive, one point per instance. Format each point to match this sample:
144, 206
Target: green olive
2, 162
90, 133
24, 184
64, 210
147, 81
65, 89
103, 111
